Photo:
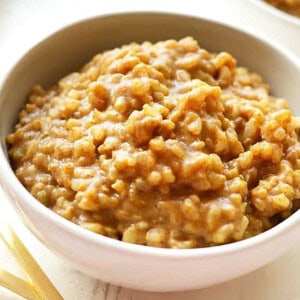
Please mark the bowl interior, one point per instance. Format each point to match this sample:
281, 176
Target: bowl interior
68, 49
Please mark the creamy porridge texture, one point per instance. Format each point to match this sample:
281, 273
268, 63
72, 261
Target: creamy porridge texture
290, 6
165, 144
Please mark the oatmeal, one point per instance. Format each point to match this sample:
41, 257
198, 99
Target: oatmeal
165, 144
289, 6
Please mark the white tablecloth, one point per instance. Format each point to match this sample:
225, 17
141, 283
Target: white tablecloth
23, 23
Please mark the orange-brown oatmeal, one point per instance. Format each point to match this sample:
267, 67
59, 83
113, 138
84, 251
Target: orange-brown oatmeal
289, 6
165, 144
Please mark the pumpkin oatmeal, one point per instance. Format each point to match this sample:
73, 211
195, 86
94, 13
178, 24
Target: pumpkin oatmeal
165, 144
289, 6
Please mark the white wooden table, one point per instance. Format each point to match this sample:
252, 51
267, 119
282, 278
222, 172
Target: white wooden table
23, 23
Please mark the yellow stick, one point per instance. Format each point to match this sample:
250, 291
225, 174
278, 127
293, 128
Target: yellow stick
39, 280
18, 285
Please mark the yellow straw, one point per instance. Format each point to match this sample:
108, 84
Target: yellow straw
18, 285
39, 280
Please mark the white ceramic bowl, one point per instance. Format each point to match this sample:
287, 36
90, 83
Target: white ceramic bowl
125, 264
277, 13
273, 22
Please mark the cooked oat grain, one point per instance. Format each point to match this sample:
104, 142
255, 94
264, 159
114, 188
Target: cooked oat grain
165, 144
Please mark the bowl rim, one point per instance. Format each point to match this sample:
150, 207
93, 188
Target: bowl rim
9, 181
276, 12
